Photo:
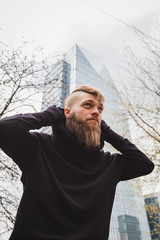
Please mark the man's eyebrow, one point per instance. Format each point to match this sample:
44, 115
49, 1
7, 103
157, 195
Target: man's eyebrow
92, 101
89, 100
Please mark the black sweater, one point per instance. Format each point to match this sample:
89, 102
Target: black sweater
68, 191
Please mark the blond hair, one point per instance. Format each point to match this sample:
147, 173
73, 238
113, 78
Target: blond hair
68, 102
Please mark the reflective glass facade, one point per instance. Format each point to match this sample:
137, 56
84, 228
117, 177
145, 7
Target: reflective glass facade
129, 227
80, 67
152, 203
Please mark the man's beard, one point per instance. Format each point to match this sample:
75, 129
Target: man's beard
87, 136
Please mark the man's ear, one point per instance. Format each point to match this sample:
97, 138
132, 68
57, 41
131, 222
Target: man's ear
67, 112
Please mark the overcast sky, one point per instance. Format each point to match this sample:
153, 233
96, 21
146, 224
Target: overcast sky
59, 24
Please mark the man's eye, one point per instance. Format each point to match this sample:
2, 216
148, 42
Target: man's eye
87, 104
100, 109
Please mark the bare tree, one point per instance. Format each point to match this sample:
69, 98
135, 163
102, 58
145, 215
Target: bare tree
139, 95
22, 80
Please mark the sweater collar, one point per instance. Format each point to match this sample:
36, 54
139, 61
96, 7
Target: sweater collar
67, 142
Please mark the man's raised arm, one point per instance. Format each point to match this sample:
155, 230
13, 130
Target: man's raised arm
17, 125
16, 140
132, 163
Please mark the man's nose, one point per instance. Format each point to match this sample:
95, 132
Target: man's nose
95, 111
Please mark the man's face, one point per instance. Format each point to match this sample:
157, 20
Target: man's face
84, 119
87, 109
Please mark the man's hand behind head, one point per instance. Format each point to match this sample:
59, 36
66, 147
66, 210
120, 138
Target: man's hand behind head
57, 114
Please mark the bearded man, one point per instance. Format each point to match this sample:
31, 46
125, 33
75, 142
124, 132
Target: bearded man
69, 181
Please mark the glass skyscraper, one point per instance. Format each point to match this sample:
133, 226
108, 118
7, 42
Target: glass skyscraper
80, 67
152, 204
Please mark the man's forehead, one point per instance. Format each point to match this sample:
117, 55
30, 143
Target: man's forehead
90, 98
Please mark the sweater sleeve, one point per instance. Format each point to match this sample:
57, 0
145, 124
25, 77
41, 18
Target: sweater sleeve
132, 162
16, 140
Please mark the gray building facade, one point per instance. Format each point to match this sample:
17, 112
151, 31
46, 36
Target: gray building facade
152, 204
80, 67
